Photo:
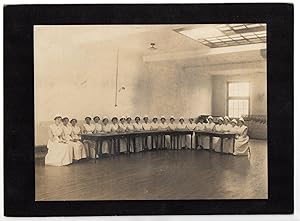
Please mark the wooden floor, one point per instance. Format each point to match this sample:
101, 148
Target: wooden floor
182, 174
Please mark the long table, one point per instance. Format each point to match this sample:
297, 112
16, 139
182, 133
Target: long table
115, 137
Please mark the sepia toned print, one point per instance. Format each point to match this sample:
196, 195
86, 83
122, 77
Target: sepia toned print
150, 112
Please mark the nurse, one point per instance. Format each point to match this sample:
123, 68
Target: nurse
89, 128
122, 129
182, 138
79, 151
242, 139
200, 127
217, 140
172, 127
138, 140
130, 128
228, 142
106, 144
98, 126
59, 152
209, 126
146, 127
164, 126
191, 126
115, 129
155, 138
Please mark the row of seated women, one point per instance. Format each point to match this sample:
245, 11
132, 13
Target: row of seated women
64, 143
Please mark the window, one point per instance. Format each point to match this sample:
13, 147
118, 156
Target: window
238, 99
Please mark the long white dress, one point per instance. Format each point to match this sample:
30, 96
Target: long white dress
156, 139
241, 143
147, 140
228, 143
123, 141
138, 140
164, 127
190, 127
98, 128
182, 138
173, 142
79, 151
59, 154
217, 140
115, 129
76, 131
205, 140
106, 144
130, 128
89, 144
200, 127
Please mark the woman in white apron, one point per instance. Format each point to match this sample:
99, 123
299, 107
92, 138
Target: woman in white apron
209, 126
129, 128
123, 141
59, 152
98, 126
172, 127
242, 139
78, 148
191, 126
89, 128
115, 129
200, 127
138, 140
76, 131
164, 127
182, 138
146, 127
106, 144
217, 140
227, 143
154, 127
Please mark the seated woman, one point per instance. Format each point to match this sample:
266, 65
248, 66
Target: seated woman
200, 127
115, 129
129, 128
98, 126
209, 126
59, 152
191, 125
217, 140
106, 144
164, 126
89, 128
146, 126
154, 127
228, 143
76, 132
242, 139
138, 140
79, 151
122, 129
182, 138
172, 126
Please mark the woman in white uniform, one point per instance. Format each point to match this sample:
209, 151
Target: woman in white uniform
122, 129
209, 126
98, 126
59, 152
129, 128
191, 126
89, 128
242, 139
172, 127
182, 138
106, 144
138, 140
115, 129
200, 127
79, 151
76, 132
227, 143
164, 127
146, 127
154, 127
217, 140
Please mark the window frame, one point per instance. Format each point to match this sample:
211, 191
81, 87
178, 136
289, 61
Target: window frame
228, 98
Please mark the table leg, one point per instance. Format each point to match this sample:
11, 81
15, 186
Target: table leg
178, 136
196, 141
151, 142
233, 144
222, 144
191, 142
210, 143
134, 144
100, 149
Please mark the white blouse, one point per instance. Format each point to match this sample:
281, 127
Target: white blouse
163, 126
209, 126
146, 126
191, 126
200, 126
137, 126
129, 127
67, 131
89, 128
172, 126
122, 127
114, 127
181, 126
75, 132
98, 127
55, 132
154, 126
106, 128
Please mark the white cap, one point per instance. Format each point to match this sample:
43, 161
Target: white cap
162, 117
234, 121
146, 116
241, 119
56, 116
123, 117
137, 116
172, 117
221, 118
155, 117
128, 117
209, 117
105, 117
226, 118
181, 118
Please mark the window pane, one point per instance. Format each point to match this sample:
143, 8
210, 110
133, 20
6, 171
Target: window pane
238, 107
238, 89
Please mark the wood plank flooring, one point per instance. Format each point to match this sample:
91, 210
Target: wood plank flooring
182, 174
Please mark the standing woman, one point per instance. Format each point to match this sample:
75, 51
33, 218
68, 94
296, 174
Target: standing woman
191, 126
217, 140
115, 129
76, 131
242, 139
155, 138
98, 126
122, 129
106, 144
182, 138
146, 127
78, 147
164, 127
89, 128
228, 142
172, 127
209, 126
138, 140
130, 128
200, 127
59, 152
